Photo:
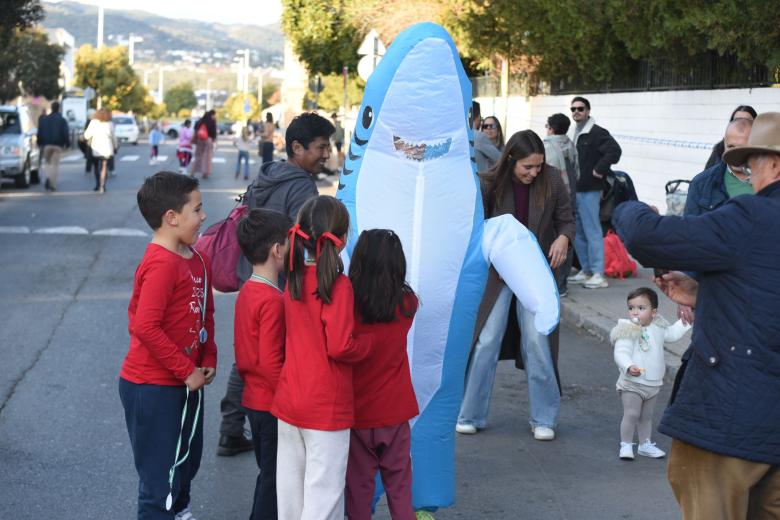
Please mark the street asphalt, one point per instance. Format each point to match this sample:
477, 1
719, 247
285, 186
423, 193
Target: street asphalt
64, 450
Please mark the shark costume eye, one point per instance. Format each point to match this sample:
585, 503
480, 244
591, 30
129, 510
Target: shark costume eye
368, 117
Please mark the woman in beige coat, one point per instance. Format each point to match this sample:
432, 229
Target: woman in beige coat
521, 184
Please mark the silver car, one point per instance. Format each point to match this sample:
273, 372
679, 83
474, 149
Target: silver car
18, 150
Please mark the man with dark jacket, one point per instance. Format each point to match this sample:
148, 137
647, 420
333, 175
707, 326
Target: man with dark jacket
725, 419
714, 186
597, 151
53, 138
282, 186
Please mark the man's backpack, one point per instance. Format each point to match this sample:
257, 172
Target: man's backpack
617, 263
220, 243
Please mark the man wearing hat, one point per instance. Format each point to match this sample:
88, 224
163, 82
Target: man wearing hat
725, 418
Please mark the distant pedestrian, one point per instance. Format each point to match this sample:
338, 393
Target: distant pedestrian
338, 138
102, 143
491, 127
259, 334
597, 151
380, 440
244, 142
205, 138
741, 112
267, 138
155, 138
639, 354
172, 352
485, 152
184, 150
53, 138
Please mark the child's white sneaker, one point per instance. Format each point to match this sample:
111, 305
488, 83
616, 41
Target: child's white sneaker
543, 433
648, 449
184, 514
626, 451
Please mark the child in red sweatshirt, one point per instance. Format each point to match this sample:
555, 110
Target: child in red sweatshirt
259, 342
172, 350
314, 398
380, 440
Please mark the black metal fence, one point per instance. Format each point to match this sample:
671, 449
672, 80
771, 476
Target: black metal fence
709, 72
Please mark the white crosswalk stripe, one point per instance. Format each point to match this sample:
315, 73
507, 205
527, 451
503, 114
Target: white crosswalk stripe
71, 157
219, 160
128, 158
62, 230
72, 230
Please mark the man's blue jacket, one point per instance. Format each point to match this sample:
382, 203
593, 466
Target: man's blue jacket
729, 400
707, 191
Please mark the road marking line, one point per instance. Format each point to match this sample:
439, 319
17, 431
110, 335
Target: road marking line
130, 158
62, 230
71, 157
14, 229
120, 232
219, 160
162, 158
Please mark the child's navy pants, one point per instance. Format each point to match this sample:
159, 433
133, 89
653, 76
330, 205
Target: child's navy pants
153, 416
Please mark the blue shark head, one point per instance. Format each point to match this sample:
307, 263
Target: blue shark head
406, 113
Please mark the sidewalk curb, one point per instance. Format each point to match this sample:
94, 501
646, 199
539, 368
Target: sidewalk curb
599, 326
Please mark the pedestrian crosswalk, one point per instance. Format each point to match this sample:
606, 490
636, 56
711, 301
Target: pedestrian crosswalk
128, 158
73, 157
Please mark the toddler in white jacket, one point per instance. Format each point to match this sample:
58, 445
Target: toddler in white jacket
639, 354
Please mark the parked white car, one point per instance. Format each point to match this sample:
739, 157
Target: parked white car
18, 150
125, 129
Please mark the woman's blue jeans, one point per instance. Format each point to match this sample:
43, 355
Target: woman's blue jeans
243, 156
543, 394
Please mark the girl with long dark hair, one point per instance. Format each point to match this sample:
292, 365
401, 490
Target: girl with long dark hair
380, 440
314, 397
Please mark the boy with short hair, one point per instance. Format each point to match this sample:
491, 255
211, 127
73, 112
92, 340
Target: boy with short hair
172, 350
259, 335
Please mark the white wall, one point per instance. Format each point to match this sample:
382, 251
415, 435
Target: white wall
664, 135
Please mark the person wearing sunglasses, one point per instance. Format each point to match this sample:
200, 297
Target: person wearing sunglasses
485, 152
724, 419
597, 151
492, 128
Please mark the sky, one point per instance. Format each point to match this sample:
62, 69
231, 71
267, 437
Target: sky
257, 12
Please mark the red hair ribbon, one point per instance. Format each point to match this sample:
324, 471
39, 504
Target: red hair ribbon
296, 231
330, 236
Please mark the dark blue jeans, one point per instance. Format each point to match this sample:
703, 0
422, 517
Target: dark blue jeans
153, 417
264, 435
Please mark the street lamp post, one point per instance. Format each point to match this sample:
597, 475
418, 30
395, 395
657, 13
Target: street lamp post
132, 40
208, 93
100, 25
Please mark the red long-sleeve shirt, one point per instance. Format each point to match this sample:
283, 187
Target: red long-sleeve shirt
315, 386
384, 395
164, 319
259, 342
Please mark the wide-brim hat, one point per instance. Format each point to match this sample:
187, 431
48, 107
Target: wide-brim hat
764, 138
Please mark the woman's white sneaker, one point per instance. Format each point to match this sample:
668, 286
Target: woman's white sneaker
543, 433
648, 449
596, 281
465, 428
626, 451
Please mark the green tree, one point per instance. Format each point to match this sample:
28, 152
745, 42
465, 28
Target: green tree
234, 107
108, 71
332, 96
322, 34
17, 15
180, 97
30, 65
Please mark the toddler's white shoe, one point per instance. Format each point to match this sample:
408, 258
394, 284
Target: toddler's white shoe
543, 433
466, 428
648, 449
626, 451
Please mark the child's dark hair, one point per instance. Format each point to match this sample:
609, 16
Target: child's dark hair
161, 192
305, 128
648, 293
378, 274
322, 222
259, 230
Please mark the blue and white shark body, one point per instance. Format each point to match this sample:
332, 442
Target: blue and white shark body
410, 168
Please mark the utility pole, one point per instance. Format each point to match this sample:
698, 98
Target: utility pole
100, 25
260, 89
208, 93
131, 45
160, 85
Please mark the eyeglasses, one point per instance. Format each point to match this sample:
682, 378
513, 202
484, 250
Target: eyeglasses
580, 108
488, 126
747, 170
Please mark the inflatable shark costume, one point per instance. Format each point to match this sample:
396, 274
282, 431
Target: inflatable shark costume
410, 168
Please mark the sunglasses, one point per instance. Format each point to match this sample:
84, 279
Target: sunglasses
578, 109
488, 126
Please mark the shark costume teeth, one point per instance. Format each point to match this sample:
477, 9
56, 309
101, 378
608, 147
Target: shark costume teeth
410, 167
